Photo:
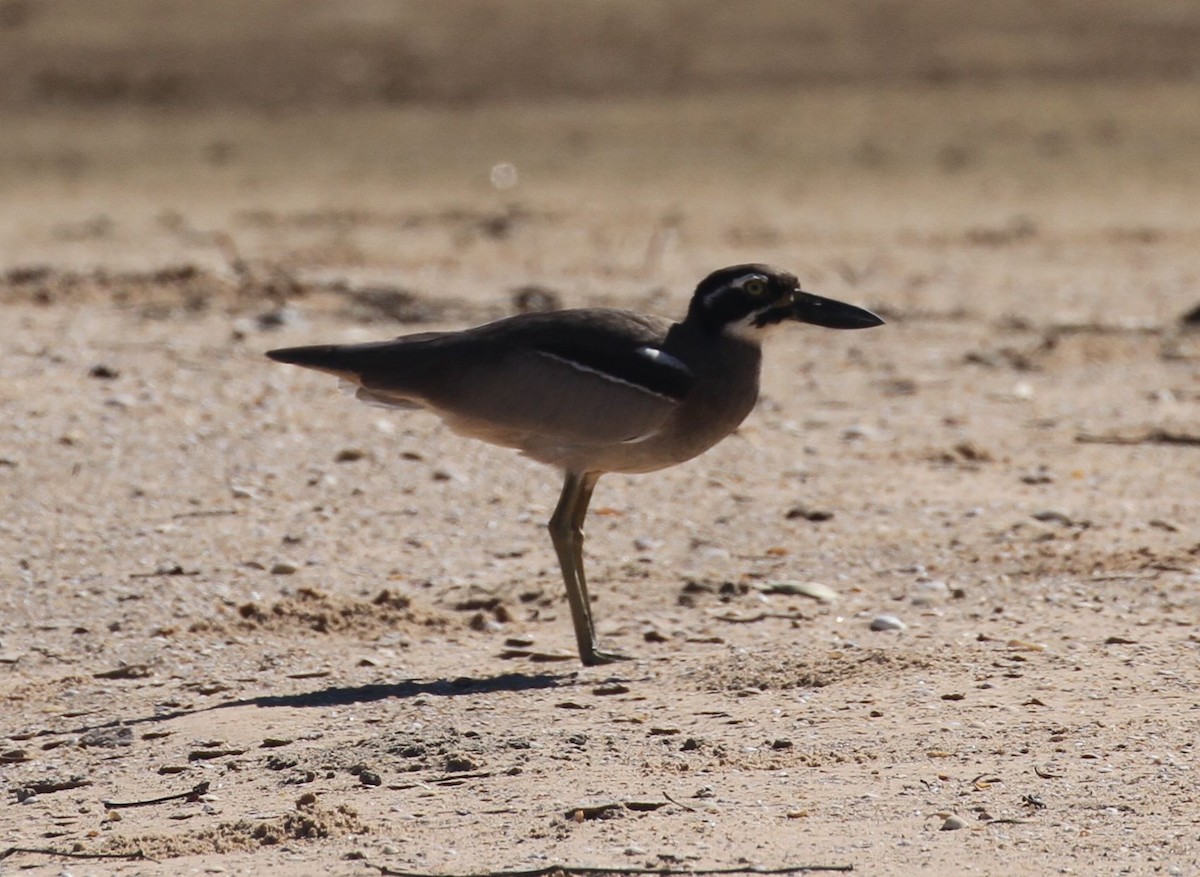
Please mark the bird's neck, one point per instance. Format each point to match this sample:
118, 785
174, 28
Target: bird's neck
704, 346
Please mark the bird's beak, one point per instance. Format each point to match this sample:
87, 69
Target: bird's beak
809, 308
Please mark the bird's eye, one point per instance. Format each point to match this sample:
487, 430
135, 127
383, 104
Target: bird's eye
754, 287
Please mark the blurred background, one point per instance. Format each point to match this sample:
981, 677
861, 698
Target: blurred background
914, 151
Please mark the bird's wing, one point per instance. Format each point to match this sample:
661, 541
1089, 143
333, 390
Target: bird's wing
581, 377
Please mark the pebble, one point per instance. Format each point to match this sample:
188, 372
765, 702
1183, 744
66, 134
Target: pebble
860, 431
929, 592
283, 568
121, 400
887, 622
817, 591
103, 372
953, 823
1054, 516
278, 318
808, 514
370, 778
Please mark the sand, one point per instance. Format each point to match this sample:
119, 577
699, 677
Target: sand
336, 638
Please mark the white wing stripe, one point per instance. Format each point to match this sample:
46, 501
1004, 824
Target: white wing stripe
578, 366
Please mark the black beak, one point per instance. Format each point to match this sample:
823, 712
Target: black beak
809, 308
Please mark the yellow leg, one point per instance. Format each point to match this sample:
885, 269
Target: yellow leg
566, 532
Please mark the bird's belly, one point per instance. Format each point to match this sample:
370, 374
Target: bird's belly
656, 452
688, 432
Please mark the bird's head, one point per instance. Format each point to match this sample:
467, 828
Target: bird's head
747, 301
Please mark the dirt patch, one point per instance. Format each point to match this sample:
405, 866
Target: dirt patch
313, 610
308, 822
802, 670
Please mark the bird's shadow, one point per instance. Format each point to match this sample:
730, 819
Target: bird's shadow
347, 695
344, 696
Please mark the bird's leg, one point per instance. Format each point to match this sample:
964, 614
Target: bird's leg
566, 532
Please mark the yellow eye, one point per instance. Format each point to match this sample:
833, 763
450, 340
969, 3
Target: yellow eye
754, 287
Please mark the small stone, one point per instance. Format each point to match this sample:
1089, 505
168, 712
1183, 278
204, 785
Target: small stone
928, 593
277, 318
610, 689
817, 591
349, 455
887, 622
370, 778
461, 763
808, 514
953, 823
111, 737
973, 452
1041, 475
859, 432
283, 568
1054, 516
121, 400
535, 299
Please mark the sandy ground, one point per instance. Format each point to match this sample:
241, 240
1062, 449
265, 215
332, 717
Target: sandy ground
332, 634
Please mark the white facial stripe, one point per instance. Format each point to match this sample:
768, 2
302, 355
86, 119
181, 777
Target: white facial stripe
734, 283
746, 330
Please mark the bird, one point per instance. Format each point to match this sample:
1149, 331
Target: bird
591, 390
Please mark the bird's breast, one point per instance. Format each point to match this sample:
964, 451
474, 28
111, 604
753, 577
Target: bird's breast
724, 393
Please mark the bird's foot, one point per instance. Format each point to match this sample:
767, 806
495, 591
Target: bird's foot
596, 658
